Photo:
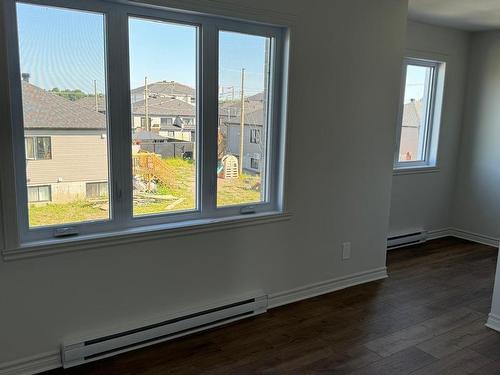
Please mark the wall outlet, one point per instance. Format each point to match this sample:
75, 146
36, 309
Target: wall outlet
346, 250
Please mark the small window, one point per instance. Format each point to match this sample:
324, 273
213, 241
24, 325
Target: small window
254, 163
97, 189
38, 148
419, 114
39, 194
166, 121
143, 123
255, 136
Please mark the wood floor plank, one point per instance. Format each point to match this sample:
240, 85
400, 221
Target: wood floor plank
456, 339
460, 363
427, 330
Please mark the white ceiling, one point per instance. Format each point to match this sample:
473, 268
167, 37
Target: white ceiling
471, 15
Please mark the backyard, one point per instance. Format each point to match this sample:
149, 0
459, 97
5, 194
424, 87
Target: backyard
178, 195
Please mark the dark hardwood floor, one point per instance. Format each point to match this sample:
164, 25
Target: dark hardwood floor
427, 318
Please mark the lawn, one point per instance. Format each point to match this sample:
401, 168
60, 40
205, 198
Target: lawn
177, 196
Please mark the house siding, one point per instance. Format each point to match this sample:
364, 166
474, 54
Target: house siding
76, 160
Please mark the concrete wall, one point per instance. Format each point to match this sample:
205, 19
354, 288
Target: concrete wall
344, 81
424, 200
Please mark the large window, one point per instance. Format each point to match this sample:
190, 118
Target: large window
419, 114
167, 142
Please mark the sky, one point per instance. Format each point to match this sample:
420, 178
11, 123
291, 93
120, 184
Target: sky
415, 82
66, 49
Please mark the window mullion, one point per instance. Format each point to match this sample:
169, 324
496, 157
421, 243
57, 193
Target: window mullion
208, 116
119, 117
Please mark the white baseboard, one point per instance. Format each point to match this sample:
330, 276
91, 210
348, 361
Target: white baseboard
439, 233
475, 237
493, 322
32, 365
463, 234
323, 287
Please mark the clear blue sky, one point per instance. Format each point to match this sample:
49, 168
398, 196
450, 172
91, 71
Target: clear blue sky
65, 49
415, 82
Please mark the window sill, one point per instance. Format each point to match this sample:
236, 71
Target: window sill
415, 170
133, 235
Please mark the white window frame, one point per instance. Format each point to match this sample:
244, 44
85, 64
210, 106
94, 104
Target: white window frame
432, 119
19, 234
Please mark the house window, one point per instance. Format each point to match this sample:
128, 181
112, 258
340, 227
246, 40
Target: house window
38, 148
255, 136
166, 121
96, 189
420, 111
143, 123
39, 194
138, 186
254, 163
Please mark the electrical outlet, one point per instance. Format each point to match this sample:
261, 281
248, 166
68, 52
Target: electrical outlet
346, 250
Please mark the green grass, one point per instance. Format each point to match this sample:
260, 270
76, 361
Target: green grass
180, 197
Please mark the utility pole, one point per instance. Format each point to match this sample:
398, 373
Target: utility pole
146, 97
242, 118
95, 96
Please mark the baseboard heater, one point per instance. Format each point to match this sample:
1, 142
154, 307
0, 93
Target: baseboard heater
406, 240
77, 352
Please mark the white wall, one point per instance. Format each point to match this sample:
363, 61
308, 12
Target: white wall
424, 200
477, 198
344, 82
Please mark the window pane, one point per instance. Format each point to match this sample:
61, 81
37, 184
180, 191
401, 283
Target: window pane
414, 128
33, 194
62, 56
244, 74
43, 150
44, 193
29, 147
163, 75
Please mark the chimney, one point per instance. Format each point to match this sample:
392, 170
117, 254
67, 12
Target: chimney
25, 77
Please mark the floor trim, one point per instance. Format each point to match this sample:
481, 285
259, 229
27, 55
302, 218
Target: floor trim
32, 365
493, 322
323, 287
463, 234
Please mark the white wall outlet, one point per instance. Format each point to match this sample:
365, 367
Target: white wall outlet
346, 250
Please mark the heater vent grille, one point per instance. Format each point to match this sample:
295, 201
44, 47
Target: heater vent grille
81, 351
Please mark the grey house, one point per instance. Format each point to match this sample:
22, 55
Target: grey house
254, 137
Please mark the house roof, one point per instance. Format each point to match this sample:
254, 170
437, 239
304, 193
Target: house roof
89, 102
166, 88
45, 110
164, 107
412, 113
147, 136
230, 112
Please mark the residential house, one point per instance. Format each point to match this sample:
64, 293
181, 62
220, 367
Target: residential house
66, 148
410, 130
254, 137
165, 89
170, 117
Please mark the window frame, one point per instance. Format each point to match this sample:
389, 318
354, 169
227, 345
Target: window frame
433, 115
116, 18
34, 147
